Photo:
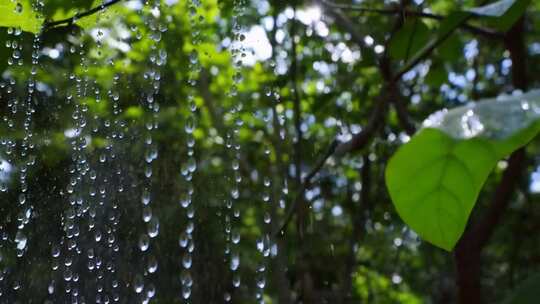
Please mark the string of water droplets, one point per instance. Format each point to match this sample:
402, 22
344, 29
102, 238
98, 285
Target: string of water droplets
264, 243
232, 231
27, 159
278, 115
78, 204
27, 144
103, 214
108, 185
114, 138
10, 149
24, 149
158, 56
90, 195
187, 240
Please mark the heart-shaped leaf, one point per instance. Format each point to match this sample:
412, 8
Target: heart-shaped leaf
434, 180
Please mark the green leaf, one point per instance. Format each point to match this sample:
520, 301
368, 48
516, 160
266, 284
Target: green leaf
22, 16
448, 25
409, 39
451, 22
436, 76
528, 292
502, 14
94, 19
495, 9
134, 112
451, 49
26, 18
449, 160
60, 9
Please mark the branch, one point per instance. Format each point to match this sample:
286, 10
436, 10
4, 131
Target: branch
360, 140
343, 22
483, 230
359, 215
488, 33
403, 115
71, 20
306, 185
479, 235
469, 249
297, 109
216, 116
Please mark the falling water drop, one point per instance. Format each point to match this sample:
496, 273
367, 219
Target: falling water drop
138, 283
144, 242
235, 261
21, 240
18, 8
152, 264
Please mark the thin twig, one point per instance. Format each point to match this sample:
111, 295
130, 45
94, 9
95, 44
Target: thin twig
489, 33
297, 110
362, 9
403, 115
360, 140
396, 98
359, 213
78, 16
346, 24
338, 148
306, 185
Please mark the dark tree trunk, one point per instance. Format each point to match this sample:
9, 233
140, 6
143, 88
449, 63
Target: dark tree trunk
469, 250
468, 275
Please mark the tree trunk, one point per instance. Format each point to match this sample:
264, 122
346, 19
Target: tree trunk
469, 250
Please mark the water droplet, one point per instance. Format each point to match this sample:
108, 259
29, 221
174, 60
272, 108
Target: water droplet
147, 214
153, 227
186, 261
18, 8
145, 198
235, 261
138, 283
21, 240
144, 242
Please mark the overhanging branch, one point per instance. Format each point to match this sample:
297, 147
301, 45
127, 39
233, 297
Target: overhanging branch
486, 32
71, 20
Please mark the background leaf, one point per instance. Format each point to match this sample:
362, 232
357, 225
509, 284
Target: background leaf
495, 9
501, 15
447, 26
409, 39
22, 16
